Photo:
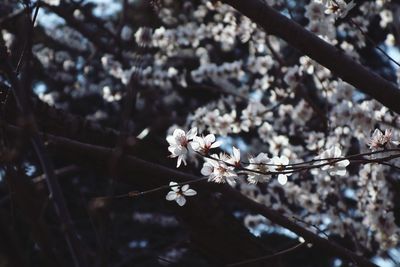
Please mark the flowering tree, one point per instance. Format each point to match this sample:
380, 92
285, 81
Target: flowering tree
245, 133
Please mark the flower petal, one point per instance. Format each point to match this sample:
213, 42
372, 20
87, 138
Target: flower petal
171, 140
210, 138
192, 133
174, 186
195, 145
190, 192
181, 200
339, 172
178, 133
344, 163
282, 179
171, 196
236, 153
207, 169
185, 187
216, 144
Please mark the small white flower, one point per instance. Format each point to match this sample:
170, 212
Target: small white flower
340, 8
380, 140
178, 144
178, 194
204, 144
280, 162
260, 165
334, 167
218, 171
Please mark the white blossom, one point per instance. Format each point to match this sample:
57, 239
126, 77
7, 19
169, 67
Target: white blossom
178, 144
335, 166
203, 144
178, 193
260, 164
280, 162
380, 140
218, 170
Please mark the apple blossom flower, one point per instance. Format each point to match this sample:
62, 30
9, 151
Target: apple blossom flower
218, 171
340, 8
280, 163
178, 193
178, 144
258, 164
380, 140
204, 144
334, 167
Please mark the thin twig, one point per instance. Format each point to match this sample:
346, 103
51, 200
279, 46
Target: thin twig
373, 43
133, 194
26, 44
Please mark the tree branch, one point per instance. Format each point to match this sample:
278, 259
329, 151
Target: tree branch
95, 154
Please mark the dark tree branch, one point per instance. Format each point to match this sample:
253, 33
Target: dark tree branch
130, 164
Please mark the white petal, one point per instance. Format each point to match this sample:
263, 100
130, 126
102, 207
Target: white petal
236, 153
181, 200
344, 163
282, 179
231, 181
192, 133
207, 169
185, 187
180, 150
377, 133
275, 160
284, 160
198, 139
326, 167
178, 133
340, 172
171, 196
171, 140
216, 144
210, 138
337, 152
172, 150
180, 159
178, 163
190, 192
174, 186
195, 145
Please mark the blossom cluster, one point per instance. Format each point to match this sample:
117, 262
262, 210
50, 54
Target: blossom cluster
227, 168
